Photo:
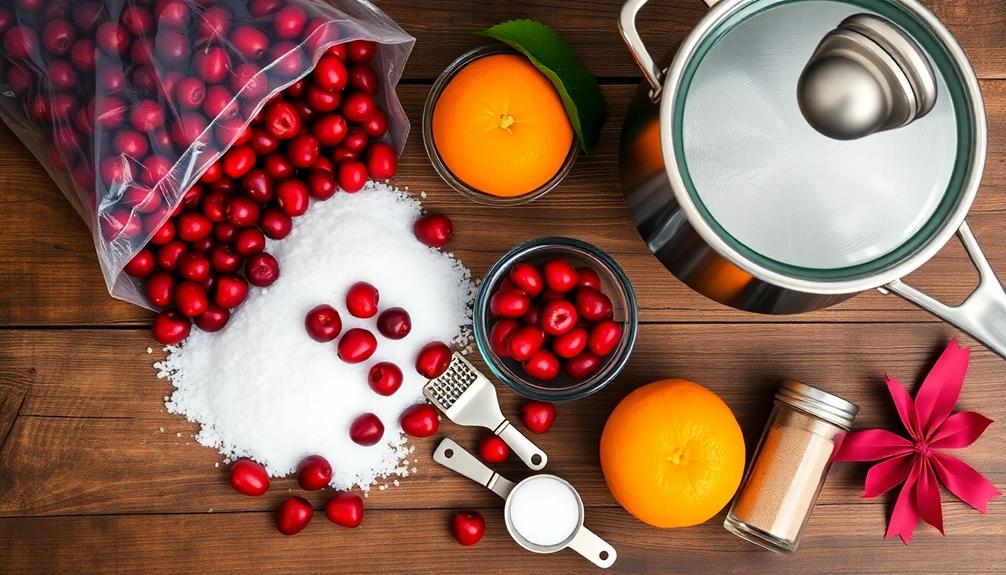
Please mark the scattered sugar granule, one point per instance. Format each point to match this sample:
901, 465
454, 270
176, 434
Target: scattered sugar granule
162, 429
261, 388
179, 434
216, 464
150, 350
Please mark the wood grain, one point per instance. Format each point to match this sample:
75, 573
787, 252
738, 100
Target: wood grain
98, 441
52, 276
445, 28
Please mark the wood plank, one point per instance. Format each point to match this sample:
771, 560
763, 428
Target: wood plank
52, 275
419, 542
90, 439
445, 29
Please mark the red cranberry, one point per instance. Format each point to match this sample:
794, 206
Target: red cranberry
303, 150
58, 36
330, 129
278, 166
538, 416
164, 234
492, 449
211, 64
174, 14
420, 420
357, 106
345, 509
160, 288
238, 161
110, 112
218, 104
249, 241
242, 211
468, 527
225, 232
214, 205
250, 42
258, 186
337, 50
513, 303
190, 298
362, 51
286, 60
581, 366
249, 477
172, 47
20, 43
130, 143
357, 345
381, 161
168, 254
321, 184
587, 277
112, 38
320, 100
330, 74
214, 22
155, 168
248, 82
259, 8
137, 19
323, 323
143, 200
326, 165
224, 260
604, 337
314, 472
363, 79
385, 378
560, 276
558, 317
341, 154
434, 230
356, 140
275, 224
362, 300
194, 267
142, 264
376, 125
171, 328
352, 176
524, 342
212, 173
230, 291
293, 515
433, 359
213, 319
499, 335
193, 226
394, 323
282, 120
262, 269
293, 197
86, 15
187, 129
592, 304
366, 429
543, 365
20, 79
570, 343
528, 278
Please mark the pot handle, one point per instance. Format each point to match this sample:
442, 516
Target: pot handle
652, 73
982, 315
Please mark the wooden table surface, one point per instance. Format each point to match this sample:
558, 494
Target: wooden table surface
96, 477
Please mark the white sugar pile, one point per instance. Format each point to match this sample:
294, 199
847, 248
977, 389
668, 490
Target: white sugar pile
261, 388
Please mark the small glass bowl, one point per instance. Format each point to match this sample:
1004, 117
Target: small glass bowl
614, 284
442, 169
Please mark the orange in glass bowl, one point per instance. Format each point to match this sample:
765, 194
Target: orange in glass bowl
496, 130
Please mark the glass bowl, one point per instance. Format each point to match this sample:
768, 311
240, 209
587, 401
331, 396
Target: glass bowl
614, 284
441, 168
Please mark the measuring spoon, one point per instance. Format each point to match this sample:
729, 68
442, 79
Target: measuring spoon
582, 540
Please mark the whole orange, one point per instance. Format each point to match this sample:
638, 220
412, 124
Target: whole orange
672, 453
499, 126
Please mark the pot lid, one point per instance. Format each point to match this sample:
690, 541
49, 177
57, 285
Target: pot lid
825, 139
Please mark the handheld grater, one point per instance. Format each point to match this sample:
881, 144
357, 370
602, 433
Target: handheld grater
468, 398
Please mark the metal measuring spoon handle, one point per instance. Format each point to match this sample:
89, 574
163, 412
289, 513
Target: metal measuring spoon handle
596, 550
454, 457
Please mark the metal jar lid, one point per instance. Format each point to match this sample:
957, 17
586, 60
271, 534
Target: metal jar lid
821, 404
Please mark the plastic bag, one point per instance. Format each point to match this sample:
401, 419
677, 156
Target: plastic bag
92, 88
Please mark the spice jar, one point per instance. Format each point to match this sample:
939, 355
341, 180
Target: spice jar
789, 467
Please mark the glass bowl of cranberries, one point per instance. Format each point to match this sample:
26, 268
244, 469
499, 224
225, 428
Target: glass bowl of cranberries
555, 319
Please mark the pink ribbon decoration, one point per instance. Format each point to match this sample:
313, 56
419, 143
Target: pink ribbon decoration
917, 461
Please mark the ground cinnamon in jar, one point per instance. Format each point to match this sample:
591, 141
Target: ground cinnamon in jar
789, 467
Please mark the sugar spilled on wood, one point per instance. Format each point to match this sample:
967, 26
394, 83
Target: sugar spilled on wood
262, 388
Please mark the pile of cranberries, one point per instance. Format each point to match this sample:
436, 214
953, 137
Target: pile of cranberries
553, 317
357, 345
125, 96
294, 513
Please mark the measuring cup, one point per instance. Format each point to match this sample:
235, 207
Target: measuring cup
582, 540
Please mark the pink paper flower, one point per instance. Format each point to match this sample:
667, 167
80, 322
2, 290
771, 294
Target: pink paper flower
918, 461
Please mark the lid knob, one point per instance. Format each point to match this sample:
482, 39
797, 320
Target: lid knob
865, 76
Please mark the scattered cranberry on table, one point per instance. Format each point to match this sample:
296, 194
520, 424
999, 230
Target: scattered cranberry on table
492, 449
468, 527
345, 509
420, 420
248, 477
293, 515
434, 230
538, 416
314, 472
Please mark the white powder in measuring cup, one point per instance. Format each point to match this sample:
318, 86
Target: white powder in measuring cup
544, 510
262, 388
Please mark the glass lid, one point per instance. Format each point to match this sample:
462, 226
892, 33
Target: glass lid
781, 192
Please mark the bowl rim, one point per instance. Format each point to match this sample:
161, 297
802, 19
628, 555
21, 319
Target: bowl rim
480, 317
441, 168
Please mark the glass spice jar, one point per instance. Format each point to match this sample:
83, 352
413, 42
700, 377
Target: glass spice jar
789, 467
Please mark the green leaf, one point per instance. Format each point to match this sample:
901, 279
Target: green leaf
552, 55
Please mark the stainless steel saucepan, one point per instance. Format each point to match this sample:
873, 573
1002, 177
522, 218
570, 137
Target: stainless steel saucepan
797, 152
